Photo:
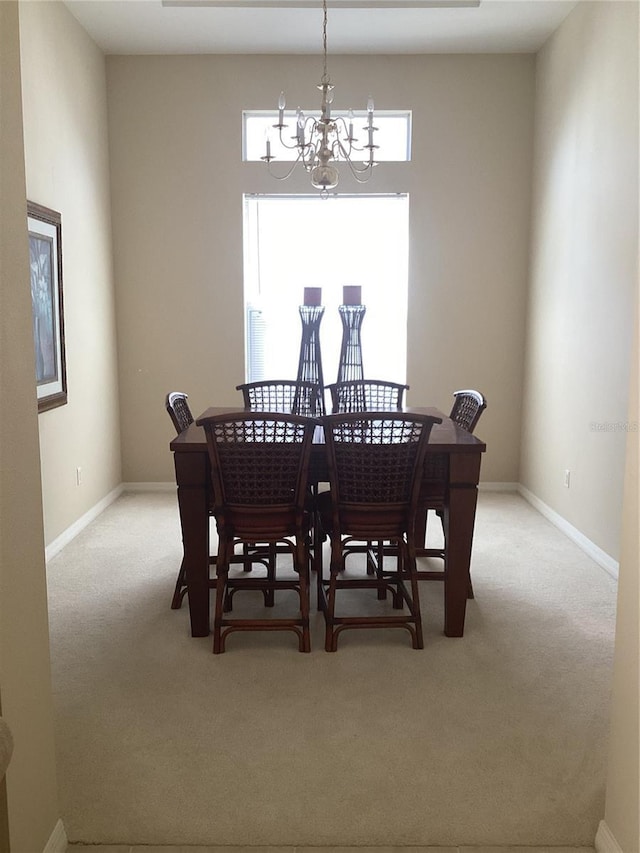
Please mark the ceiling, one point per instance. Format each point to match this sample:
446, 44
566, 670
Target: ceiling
295, 26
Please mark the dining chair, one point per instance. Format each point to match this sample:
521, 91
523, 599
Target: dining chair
375, 464
259, 471
181, 417
178, 408
179, 411
366, 395
295, 397
468, 406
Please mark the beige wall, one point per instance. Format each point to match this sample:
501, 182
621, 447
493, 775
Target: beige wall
177, 182
623, 790
583, 267
177, 185
584, 279
67, 168
25, 678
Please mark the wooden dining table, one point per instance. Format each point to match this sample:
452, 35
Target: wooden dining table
460, 450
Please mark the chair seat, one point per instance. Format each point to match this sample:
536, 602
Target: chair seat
364, 522
262, 524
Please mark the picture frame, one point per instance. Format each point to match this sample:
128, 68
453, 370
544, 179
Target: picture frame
45, 265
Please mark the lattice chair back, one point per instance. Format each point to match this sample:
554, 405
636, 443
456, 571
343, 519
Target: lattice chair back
467, 407
179, 411
366, 395
259, 471
375, 466
285, 396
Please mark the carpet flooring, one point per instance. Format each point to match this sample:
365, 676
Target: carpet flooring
497, 738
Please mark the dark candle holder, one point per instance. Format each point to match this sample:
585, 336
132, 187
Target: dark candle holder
310, 362
350, 364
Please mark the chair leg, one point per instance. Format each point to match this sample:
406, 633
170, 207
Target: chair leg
415, 595
303, 559
330, 638
181, 587
269, 594
420, 529
221, 587
336, 565
382, 592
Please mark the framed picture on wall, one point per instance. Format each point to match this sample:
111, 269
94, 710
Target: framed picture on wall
45, 263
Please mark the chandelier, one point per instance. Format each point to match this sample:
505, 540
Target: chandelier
322, 142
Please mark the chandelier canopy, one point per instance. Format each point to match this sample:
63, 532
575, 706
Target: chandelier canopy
322, 142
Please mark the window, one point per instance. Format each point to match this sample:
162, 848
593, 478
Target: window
293, 242
393, 136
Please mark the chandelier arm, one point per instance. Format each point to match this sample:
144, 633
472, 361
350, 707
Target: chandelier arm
287, 146
288, 174
355, 171
368, 172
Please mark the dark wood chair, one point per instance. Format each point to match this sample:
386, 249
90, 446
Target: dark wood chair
179, 411
375, 467
366, 395
178, 408
259, 472
282, 395
467, 407
296, 397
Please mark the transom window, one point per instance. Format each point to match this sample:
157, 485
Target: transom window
393, 135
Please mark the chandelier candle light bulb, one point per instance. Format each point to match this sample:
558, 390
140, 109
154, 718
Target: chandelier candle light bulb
321, 143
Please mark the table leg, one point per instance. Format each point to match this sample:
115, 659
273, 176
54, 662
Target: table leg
193, 502
459, 520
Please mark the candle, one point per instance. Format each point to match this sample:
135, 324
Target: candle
313, 296
281, 105
370, 110
370, 116
352, 294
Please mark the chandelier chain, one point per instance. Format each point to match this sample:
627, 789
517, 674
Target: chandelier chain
325, 76
321, 142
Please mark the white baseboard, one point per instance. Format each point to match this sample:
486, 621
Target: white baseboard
57, 842
150, 487
605, 840
599, 556
78, 526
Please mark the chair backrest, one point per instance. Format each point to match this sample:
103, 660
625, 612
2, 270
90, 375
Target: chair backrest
287, 396
259, 470
467, 407
375, 466
179, 411
366, 395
